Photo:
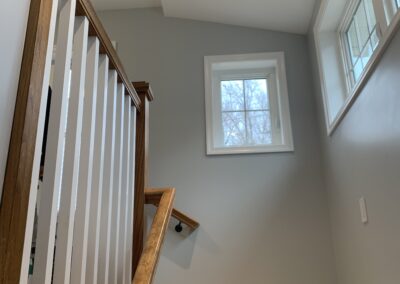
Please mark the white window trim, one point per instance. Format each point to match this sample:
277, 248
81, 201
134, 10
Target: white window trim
283, 104
344, 44
387, 33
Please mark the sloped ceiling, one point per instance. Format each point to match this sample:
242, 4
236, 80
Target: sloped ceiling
280, 15
124, 4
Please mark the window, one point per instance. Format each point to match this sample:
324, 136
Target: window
246, 118
350, 37
361, 39
247, 104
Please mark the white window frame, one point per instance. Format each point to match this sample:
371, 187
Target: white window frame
386, 26
278, 104
345, 45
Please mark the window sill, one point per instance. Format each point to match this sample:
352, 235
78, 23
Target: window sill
250, 150
368, 71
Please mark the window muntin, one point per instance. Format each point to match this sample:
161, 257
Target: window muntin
247, 107
246, 117
361, 39
349, 43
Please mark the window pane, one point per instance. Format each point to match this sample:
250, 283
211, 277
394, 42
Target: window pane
358, 68
366, 54
360, 19
369, 8
233, 124
259, 128
375, 39
232, 95
398, 3
354, 47
362, 38
256, 94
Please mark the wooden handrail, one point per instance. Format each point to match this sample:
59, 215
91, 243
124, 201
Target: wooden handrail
148, 262
180, 216
142, 194
85, 8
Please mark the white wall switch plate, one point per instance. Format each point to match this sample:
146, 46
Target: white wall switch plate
363, 210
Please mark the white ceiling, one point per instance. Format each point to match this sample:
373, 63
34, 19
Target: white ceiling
280, 15
124, 4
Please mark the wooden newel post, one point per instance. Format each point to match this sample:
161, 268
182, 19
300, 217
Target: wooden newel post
21, 172
141, 169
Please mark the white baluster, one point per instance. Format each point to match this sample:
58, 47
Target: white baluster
50, 191
105, 227
116, 211
131, 195
124, 192
86, 165
70, 175
98, 168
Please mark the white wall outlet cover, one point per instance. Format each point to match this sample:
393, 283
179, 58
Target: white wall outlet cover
363, 210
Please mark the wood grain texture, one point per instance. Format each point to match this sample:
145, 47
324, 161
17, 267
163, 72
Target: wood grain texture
182, 217
148, 262
85, 8
179, 215
17, 181
144, 88
141, 171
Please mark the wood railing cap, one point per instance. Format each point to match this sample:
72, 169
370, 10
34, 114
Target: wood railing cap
153, 197
148, 262
144, 88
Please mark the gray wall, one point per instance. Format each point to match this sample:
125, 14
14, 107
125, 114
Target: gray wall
264, 218
362, 158
12, 14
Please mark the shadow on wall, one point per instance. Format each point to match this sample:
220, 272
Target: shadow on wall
179, 247
252, 229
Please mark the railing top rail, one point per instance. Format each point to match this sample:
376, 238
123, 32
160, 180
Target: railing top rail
85, 8
149, 259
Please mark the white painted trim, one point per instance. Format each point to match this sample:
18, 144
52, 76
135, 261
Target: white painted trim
368, 70
380, 15
277, 62
83, 203
317, 24
50, 192
116, 189
131, 195
71, 169
98, 168
124, 192
108, 176
252, 150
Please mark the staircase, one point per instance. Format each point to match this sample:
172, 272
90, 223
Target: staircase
87, 201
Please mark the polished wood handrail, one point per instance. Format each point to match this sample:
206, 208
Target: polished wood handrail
85, 8
180, 216
148, 262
